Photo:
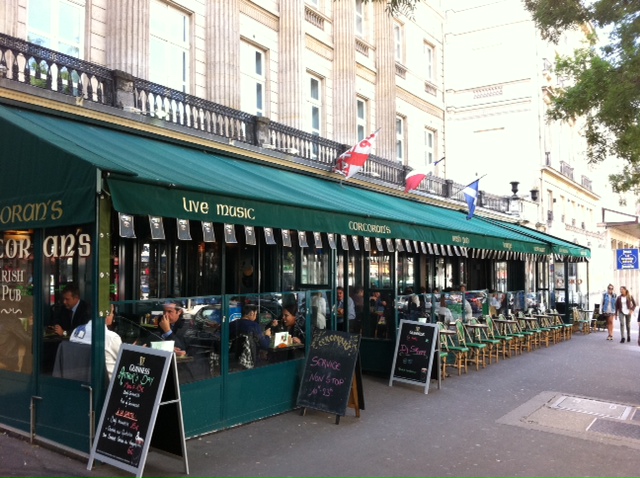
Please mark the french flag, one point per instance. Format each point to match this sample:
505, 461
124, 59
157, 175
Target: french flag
352, 161
415, 177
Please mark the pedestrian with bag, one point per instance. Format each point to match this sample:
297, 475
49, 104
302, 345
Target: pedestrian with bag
609, 308
625, 304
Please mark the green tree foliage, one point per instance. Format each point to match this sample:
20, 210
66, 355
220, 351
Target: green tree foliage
604, 80
398, 7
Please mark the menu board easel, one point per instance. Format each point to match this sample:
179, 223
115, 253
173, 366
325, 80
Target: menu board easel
142, 409
332, 380
417, 344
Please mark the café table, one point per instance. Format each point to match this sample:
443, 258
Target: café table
282, 354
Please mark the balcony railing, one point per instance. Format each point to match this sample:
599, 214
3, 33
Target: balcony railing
40, 67
180, 108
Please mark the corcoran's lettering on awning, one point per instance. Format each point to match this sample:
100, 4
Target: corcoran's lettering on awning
30, 212
367, 227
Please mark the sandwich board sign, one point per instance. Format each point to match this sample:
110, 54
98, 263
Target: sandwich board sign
142, 409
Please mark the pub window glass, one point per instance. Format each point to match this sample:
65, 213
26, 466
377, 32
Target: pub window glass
153, 270
288, 269
208, 270
501, 276
406, 272
178, 270
315, 267
440, 274
66, 260
16, 301
380, 271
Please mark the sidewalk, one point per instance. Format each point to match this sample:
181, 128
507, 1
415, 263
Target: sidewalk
499, 421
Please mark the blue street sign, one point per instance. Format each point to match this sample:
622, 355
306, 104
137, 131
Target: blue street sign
627, 258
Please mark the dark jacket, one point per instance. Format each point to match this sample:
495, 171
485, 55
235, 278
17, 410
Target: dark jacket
631, 304
81, 317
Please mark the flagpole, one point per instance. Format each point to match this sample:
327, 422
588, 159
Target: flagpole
477, 179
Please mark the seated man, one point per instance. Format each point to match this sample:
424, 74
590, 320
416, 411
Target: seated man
112, 341
248, 327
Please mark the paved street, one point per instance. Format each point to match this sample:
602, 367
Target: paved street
524, 416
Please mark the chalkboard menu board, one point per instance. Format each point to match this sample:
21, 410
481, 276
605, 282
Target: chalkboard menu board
413, 360
143, 379
329, 372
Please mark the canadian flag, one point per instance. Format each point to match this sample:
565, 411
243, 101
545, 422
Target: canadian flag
352, 161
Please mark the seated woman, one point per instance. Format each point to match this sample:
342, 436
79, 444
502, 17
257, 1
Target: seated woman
444, 314
293, 323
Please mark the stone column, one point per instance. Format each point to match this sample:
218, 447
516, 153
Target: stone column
9, 17
292, 89
223, 52
128, 36
344, 73
385, 84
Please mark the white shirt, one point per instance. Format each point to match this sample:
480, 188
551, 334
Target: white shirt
112, 342
624, 306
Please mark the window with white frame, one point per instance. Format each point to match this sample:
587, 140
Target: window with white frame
400, 138
57, 24
315, 3
361, 118
399, 40
429, 146
315, 105
360, 18
169, 49
253, 69
429, 55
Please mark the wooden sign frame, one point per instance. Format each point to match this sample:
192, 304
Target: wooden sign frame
128, 420
409, 340
329, 384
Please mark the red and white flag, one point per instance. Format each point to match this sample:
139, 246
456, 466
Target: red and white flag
352, 161
415, 177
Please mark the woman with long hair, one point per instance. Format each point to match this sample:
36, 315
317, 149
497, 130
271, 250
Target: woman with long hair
624, 308
609, 308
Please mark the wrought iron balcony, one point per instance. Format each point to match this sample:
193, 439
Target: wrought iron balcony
40, 67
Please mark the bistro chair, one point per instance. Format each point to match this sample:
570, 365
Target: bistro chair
455, 351
493, 333
580, 323
484, 335
513, 330
477, 349
595, 322
555, 331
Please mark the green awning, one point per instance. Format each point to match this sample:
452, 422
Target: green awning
156, 177
44, 182
557, 246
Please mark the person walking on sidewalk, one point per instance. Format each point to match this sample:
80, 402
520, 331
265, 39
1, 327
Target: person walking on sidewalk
624, 308
609, 308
